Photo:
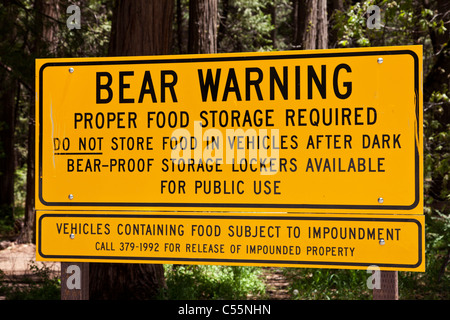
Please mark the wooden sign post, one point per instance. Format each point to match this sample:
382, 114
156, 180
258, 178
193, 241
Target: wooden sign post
388, 286
74, 281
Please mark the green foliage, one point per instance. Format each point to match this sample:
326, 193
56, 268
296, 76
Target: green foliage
39, 285
351, 25
437, 149
403, 22
248, 26
20, 180
17, 57
439, 231
6, 223
93, 38
328, 284
435, 283
406, 22
211, 282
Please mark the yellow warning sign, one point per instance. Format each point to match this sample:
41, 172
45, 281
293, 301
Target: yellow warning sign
287, 240
323, 131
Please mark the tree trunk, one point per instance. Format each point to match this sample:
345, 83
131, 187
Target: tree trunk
139, 27
310, 29
310, 24
203, 26
297, 17
322, 25
117, 281
179, 27
28, 234
7, 152
45, 45
8, 89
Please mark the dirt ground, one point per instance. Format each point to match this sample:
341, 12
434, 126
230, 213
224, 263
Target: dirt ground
16, 259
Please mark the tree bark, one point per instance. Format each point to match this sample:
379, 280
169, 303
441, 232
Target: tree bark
45, 45
117, 281
8, 89
310, 24
179, 27
7, 151
28, 234
139, 27
203, 26
310, 30
322, 25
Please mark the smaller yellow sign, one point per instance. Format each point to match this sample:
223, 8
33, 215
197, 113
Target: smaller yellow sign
285, 240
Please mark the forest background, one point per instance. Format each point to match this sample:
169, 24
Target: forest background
31, 29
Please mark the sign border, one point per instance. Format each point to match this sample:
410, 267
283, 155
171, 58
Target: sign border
322, 264
237, 57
